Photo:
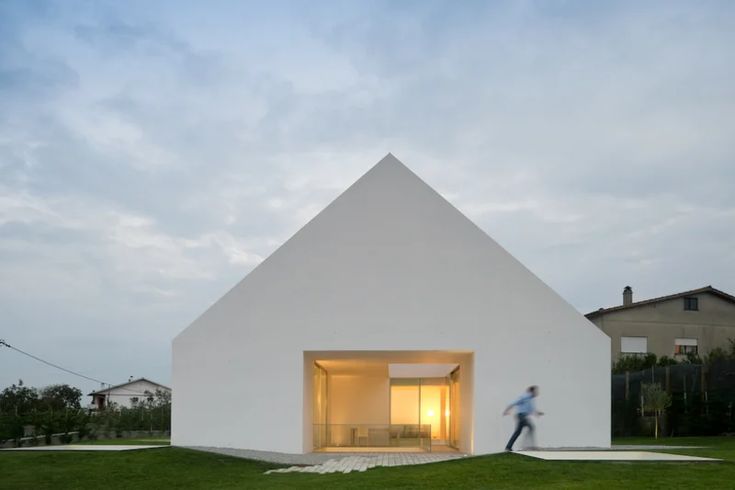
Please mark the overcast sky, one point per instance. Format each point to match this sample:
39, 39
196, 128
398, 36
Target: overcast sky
152, 153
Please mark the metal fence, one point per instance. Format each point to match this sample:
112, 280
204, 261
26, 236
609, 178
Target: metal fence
702, 399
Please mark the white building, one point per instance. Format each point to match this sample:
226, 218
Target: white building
127, 394
390, 319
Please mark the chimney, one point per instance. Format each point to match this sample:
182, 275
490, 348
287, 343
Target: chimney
627, 296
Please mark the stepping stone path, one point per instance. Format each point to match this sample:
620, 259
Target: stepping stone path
365, 462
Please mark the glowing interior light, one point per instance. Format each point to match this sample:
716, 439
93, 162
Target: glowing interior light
446, 412
430, 413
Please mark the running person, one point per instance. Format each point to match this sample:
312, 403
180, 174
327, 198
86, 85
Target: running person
524, 409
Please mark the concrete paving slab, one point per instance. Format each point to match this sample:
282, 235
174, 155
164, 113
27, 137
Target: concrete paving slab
85, 447
612, 456
650, 447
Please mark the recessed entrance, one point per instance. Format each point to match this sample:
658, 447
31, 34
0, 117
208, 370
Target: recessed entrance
388, 401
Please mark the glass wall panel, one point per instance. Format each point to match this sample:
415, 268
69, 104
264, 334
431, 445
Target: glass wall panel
319, 406
435, 407
425, 402
453, 414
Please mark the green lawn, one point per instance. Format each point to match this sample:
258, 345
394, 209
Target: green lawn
182, 468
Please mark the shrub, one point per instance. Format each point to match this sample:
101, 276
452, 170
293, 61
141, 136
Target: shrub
666, 361
634, 363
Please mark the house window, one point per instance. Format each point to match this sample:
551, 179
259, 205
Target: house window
691, 304
134, 400
634, 345
683, 347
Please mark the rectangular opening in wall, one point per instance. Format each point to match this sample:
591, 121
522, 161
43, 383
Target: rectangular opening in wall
691, 304
683, 347
634, 345
388, 401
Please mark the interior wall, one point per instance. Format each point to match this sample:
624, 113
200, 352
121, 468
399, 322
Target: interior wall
467, 407
358, 399
404, 403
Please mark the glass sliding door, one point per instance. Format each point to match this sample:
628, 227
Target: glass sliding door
435, 408
423, 403
405, 415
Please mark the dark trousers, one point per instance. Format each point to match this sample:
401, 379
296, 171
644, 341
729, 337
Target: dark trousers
523, 421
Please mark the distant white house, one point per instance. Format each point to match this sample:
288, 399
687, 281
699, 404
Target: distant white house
127, 394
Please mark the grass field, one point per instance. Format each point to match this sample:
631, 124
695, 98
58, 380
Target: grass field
182, 468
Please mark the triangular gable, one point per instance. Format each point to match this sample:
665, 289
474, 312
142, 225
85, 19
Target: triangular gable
123, 385
385, 239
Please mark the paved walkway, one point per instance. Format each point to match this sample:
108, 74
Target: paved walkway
646, 447
84, 447
611, 456
365, 462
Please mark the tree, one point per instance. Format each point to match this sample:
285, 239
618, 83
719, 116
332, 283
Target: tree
163, 398
655, 399
18, 399
60, 397
722, 354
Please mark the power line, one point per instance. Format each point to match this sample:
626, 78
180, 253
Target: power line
2, 342
103, 383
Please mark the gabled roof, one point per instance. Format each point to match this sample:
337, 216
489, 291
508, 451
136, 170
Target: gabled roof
122, 385
706, 289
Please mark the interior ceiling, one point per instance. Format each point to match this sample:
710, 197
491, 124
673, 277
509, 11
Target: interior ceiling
383, 367
425, 370
365, 367
375, 363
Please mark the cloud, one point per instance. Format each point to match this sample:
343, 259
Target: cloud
152, 154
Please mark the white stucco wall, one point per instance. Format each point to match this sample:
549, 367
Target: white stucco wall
389, 265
